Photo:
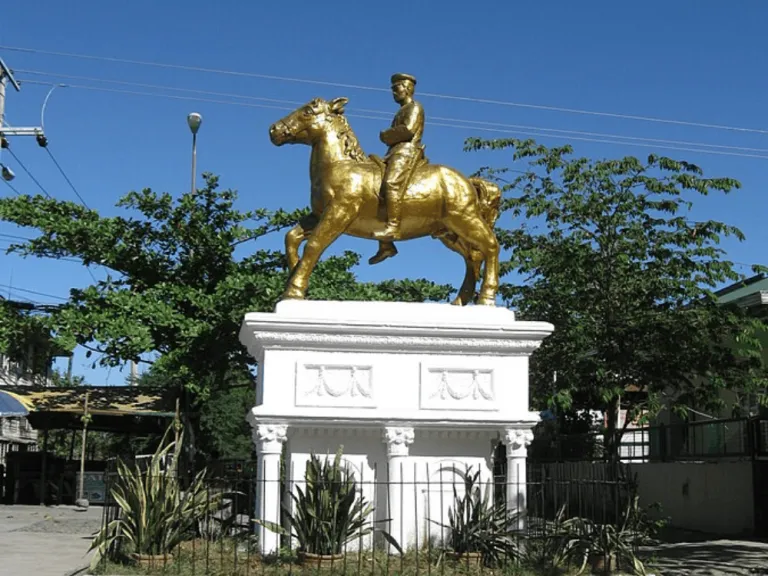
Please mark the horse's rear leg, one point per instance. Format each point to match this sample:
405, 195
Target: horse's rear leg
467, 290
296, 236
332, 224
473, 230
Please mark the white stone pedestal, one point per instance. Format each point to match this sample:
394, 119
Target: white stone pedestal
411, 391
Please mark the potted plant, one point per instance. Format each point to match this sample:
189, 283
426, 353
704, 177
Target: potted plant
154, 514
602, 547
327, 514
479, 530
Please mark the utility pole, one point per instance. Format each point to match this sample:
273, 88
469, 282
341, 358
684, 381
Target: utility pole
6, 77
134, 374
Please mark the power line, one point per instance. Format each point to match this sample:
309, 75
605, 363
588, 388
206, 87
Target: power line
156, 86
26, 291
15, 237
386, 113
7, 239
171, 96
64, 174
531, 133
11, 186
23, 167
379, 89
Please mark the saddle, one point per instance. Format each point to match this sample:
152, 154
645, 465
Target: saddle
379, 161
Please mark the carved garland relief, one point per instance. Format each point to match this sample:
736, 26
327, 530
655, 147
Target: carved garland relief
326, 385
456, 389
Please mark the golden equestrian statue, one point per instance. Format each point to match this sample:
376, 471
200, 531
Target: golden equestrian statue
400, 197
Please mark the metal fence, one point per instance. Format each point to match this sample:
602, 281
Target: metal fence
709, 439
499, 522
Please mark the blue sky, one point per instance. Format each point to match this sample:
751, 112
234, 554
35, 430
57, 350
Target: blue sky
690, 60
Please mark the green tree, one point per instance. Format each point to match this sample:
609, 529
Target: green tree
176, 288
223, 432
606, 252
25, 338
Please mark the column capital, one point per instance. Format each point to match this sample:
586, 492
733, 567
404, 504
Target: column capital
517, 441
398, 439
269, 438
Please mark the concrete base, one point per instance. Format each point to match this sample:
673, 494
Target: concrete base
413, 392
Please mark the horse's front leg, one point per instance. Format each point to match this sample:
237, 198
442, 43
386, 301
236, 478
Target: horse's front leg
295, 236
332, 224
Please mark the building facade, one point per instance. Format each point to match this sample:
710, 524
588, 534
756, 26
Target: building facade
16, 434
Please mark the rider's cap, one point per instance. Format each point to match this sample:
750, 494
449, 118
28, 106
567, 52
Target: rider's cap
398, 77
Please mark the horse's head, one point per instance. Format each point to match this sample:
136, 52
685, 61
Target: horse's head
306, 123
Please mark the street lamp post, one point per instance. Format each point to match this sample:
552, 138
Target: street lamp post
193, 121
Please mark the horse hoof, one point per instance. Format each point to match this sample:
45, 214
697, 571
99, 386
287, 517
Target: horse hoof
458, 301
292, 293
486, 301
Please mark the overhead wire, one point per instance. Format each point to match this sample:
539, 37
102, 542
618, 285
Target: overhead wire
8, 238
465, 126
32, 177
383, 112
562, 109
64, 174
11, 186
15, 237
27, 291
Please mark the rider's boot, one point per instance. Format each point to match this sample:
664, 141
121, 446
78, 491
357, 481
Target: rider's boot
386, 250
393, 218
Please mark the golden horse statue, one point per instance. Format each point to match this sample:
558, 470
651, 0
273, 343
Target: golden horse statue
345, 183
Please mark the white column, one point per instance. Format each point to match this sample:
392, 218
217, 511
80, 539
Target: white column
517, 441
398, 441
269, 440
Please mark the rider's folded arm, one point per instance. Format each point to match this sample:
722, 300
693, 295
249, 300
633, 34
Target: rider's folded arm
396, 135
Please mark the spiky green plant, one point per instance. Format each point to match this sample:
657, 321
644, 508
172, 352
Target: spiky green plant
588, 539
478, 525
154, 513
329, 512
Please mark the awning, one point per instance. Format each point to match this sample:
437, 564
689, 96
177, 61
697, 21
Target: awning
111, 408
11, 405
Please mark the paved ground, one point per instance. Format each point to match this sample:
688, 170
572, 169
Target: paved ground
714, 558
691, 553
43, 541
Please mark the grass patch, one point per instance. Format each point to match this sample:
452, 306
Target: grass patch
225, 559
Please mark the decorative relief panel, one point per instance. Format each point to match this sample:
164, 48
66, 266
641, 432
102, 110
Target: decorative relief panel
334, 386
456, 389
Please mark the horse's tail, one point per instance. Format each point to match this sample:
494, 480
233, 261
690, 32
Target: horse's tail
489, 199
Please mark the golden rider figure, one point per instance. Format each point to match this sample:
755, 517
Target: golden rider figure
405, 149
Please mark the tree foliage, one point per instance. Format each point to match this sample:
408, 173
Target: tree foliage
607, 252
24, 338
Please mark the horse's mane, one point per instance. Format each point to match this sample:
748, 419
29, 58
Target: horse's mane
349, 141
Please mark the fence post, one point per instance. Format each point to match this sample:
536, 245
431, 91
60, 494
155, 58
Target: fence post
269, 440
517, 441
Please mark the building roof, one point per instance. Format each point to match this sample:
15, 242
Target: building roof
749, 292
112, 408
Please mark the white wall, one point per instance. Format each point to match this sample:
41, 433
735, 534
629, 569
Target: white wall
715, 497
